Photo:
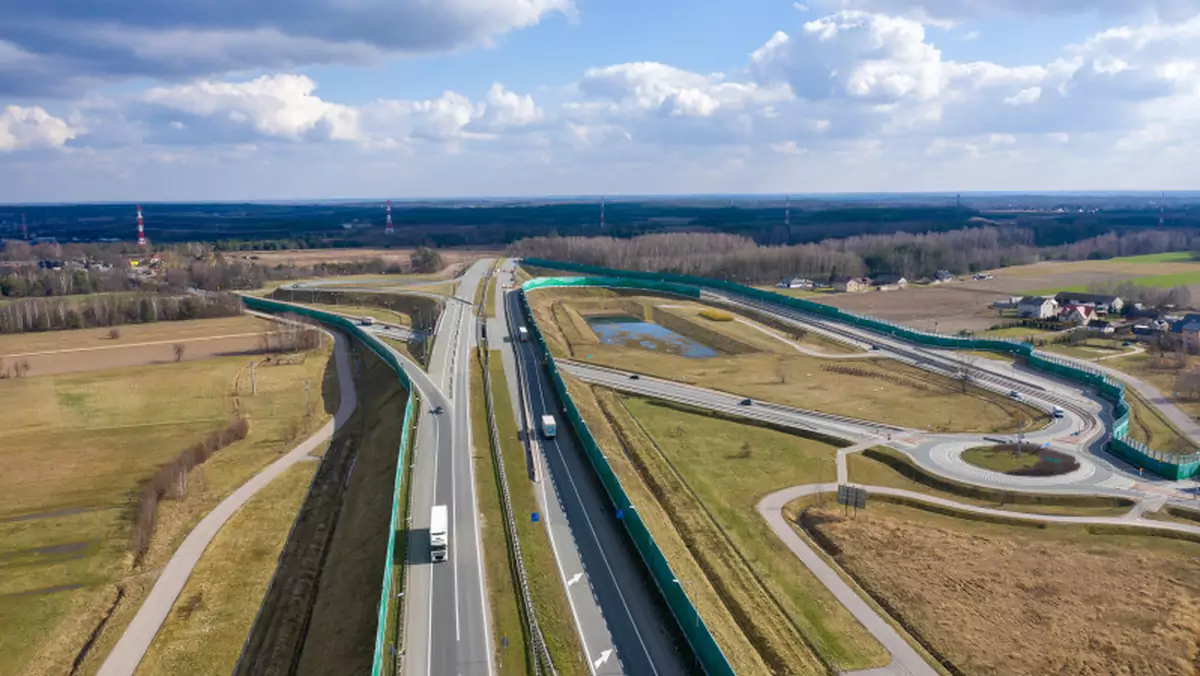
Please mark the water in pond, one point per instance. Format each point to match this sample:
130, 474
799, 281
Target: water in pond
634, 332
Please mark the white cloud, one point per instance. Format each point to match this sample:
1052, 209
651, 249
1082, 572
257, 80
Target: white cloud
280, 106
1024, 96
949, 10
24, 128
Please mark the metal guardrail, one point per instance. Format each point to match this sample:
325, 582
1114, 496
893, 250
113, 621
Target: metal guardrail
540, 653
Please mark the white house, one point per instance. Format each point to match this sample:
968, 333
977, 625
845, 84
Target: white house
1037, 307
795, 283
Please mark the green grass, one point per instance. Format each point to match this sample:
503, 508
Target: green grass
1168, 257
882, 466
212, 616
1004, 462
545, 583
730, 467
504, 600
1155, 281
380, 314
1016, 332
86, 441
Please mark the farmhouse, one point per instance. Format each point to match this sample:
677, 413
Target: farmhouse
1037, 307
1100, 326
1102, 303
1079, 315
851, 284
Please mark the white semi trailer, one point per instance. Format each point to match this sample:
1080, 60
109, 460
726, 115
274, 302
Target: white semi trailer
439, 534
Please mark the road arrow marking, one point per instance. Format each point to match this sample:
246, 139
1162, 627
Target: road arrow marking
604, 655
574, 579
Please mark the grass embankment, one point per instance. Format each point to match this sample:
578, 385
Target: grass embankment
1148, 425
81, 447
882, 466
380, 314
340, 635
988, 457
504, 599
212, 616
1008, 599
545, 583
761, 331
697, 484
881, 390
1176, 514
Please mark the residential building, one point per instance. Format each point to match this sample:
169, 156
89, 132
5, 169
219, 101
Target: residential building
1100, 326
1037, 307
1102, 302
851, 284
1007, 304
1078, 315
795, 283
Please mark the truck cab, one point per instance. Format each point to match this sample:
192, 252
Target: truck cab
367, 321
549, 427
523, 333
439, 541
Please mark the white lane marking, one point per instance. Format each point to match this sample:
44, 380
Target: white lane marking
429, 626
575, 578
599, 547
483, 606
603, 658
562, 574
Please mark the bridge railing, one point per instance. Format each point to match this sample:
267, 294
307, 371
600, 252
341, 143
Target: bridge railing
1168, 465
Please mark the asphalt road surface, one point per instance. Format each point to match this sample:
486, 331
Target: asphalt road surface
608, 576
446, 617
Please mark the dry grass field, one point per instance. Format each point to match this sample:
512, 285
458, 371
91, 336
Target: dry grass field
56, 352
212, 616
77, 453
1018, 601
308, 257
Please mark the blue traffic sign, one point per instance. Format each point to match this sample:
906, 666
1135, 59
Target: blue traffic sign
534, 517
620, 513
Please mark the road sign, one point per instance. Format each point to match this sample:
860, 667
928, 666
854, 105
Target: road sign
620, 514
534, 517
852, 496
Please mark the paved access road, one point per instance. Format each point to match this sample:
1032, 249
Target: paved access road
128, 652
446, 612
613, 601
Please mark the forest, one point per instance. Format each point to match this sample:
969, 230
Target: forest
916, 256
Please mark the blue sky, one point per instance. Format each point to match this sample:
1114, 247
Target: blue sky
138, 100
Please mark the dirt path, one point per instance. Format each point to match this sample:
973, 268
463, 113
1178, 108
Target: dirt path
124, 658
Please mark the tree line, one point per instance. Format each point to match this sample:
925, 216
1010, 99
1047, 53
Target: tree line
916, 256
54, 314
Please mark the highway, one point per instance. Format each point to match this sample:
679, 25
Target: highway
446, 613
623, 627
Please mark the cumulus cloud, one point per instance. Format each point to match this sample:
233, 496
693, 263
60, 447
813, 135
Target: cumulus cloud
23, 128
52, 48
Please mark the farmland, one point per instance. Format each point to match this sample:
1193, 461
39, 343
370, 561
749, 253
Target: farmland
965, 587
57, 352
79, 450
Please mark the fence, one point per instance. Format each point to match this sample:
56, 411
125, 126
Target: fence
1167, 465
690, 624
349, 327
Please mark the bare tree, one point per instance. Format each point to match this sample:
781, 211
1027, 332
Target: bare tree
179, 349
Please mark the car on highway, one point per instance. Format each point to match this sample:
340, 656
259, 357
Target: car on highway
1014, 394
745, 402
634, 376
874, 347
437, 410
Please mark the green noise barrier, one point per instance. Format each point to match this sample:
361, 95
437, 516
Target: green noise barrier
380, 350
1167, 465
687, 617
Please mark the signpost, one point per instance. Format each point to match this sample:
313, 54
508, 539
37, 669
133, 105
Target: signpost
852, 496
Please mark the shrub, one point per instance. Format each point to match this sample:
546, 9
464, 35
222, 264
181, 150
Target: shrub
716, 315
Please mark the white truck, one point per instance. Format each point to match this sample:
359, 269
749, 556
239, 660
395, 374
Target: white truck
549, 428
367, 321
438, 533
523, 333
